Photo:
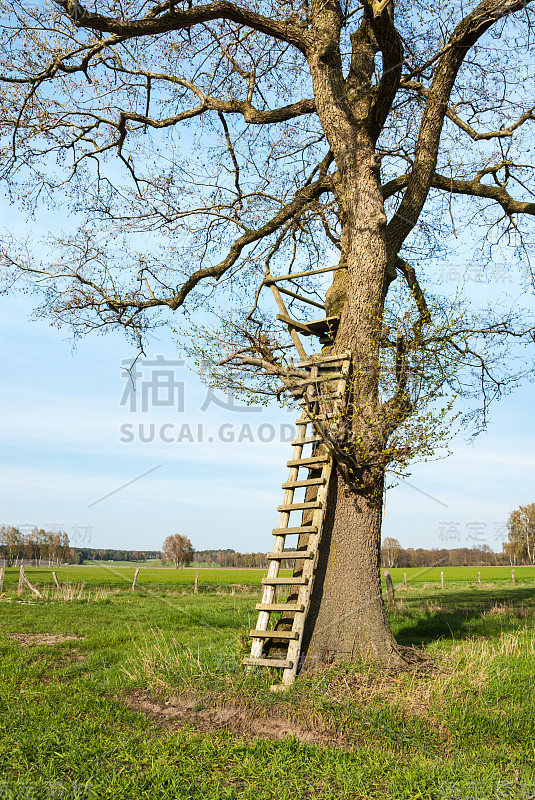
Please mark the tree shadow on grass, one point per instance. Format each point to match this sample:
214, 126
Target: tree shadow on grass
462, 614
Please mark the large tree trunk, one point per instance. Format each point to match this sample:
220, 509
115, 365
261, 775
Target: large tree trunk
347, 619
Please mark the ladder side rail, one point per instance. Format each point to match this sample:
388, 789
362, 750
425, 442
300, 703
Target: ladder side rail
305, 592
309, 567
268, 592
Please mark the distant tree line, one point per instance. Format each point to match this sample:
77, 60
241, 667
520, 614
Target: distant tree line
42, 546
393, 555
231, 558
37, 545
82, 554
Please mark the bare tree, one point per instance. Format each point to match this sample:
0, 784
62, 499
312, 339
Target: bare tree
521, 532
178, 550
207, 150
390, 552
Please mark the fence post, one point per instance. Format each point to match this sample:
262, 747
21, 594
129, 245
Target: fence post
20, 587
196, 587
389, 590
405, 580
442, 580
24, 580
2, 571
135, 580
513, 576
56, 581
479, 577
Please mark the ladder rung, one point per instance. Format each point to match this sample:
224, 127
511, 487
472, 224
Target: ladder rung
278, 663
318, 326
285, 581
312, 417
298, 529
307, 440
305, 462
299, 506
298, 484
274, 634
328, 376
317, 362
280, 607
293, 323
282, 554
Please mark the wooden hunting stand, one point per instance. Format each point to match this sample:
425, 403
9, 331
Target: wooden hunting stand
277, 638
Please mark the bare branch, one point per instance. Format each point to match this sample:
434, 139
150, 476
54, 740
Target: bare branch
165, 17
465, 35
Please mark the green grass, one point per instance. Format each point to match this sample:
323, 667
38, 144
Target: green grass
121, 577
461, 727
460, 574
150, 562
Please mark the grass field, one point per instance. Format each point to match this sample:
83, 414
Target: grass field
122, 576
102, 715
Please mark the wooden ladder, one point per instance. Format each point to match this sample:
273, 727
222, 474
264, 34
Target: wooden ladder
320, 371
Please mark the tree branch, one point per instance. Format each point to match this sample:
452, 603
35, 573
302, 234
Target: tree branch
104, 300
465, 35
475, 188
156, 22
476, 136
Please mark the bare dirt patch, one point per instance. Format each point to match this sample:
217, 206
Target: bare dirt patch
27, 639
184, 710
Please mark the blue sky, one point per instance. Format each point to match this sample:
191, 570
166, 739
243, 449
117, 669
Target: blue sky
68, 461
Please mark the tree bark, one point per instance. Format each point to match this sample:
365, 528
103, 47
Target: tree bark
347, 619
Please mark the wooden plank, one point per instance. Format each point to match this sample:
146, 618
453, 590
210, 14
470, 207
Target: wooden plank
319, 360
284, 581
277, 663
318, 326
297, 607
298, 529
299, 484
327, 376
293, 323
301, 298
321, 417
314, 327
299, 506
281, 554
273, 635
321, 398
306, 462
291, 276
307, 440
293, 332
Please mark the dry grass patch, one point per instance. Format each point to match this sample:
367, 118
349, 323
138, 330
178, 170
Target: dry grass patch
187, 709
28, 639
